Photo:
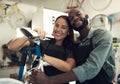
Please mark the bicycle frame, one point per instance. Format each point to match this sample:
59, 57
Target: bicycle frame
28, 52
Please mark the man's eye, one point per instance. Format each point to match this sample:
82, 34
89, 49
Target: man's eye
78, 14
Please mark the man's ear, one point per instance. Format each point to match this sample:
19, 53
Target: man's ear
68, 33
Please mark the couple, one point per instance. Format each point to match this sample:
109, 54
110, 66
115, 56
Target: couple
93, 53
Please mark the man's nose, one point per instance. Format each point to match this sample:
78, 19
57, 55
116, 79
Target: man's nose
76, 17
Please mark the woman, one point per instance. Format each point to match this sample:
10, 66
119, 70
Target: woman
57, 51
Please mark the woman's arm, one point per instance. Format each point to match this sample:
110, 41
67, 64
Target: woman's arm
18, 43
64, 66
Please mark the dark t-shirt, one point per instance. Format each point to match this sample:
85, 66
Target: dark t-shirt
53, 50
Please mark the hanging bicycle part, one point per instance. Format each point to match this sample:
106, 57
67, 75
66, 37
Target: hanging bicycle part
12, 14
79, 4
101, 21
72, 4
17, 19
101, 5
3, 8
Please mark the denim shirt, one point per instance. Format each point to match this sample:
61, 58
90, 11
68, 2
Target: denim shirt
102, 56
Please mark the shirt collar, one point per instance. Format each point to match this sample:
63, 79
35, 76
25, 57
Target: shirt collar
91, 33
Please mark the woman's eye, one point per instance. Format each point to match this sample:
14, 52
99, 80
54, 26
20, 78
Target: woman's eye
64, 27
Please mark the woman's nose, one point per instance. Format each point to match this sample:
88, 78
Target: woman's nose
58, 28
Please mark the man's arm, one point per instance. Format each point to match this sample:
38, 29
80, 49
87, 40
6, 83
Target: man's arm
39, 77
63, 78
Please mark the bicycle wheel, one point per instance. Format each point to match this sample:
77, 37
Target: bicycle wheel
101, 21
17, 20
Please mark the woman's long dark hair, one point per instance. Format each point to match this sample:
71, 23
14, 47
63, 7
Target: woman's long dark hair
69, 39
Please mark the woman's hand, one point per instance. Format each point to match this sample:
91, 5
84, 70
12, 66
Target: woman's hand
61, 65
40, 32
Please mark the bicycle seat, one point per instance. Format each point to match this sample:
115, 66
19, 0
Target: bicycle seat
26, 33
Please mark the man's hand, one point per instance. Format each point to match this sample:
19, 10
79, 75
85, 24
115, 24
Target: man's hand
38, 77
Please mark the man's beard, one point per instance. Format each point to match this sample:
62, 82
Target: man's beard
84, 25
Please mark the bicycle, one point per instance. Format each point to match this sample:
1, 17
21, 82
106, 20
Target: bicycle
36, 62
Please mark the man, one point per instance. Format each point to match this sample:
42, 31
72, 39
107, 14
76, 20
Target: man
94, 56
